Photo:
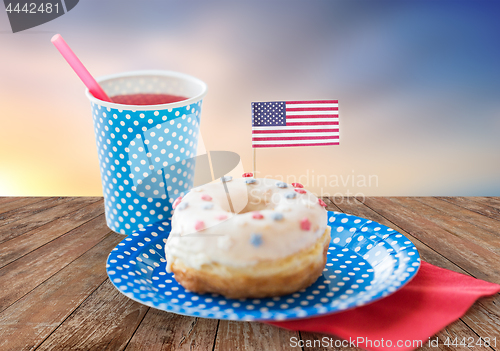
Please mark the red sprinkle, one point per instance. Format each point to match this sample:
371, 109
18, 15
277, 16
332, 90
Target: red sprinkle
321, 202
177, 202
305, 224
199, 225
206, 197
297, 185
246, 175
300, 191
257, 215
221, 217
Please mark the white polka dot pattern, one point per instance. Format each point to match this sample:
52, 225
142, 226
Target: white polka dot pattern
366, 261
146, 162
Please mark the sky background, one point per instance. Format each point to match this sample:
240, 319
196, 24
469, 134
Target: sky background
418, 84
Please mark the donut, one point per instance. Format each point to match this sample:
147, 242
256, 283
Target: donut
248, 238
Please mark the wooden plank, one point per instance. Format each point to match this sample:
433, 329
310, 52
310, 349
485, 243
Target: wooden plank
19, 202
454, 225
21, 245
106, 320
323, 342
427, 254
162, 331
478, 220
26, 273
7, 199
473, 258
342, 201
484, 317
29, 321
233, 335
455, 330
30, 210
330, 205
475, 206
21, 226
490, 201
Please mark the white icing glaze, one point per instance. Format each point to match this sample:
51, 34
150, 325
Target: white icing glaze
235, 241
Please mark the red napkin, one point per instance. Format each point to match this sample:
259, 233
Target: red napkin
432, 300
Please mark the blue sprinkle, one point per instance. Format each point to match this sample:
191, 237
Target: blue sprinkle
182, 206
277, 216
226, 178
256, 239
291, 195
250, 181
208, 206
282, 185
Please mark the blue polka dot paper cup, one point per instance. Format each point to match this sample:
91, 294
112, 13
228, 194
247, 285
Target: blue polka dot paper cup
146, 152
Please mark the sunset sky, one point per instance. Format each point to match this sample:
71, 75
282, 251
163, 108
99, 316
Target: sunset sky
418, 85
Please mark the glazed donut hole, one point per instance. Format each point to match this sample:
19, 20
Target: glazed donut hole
269, 199
258, 201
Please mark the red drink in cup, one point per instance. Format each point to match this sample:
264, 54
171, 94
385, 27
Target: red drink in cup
147, 99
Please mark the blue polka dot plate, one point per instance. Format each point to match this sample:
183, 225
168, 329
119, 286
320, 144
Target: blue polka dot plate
366, 261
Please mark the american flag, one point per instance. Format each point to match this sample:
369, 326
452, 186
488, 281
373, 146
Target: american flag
295, 123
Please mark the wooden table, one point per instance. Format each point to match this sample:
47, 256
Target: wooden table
55, 294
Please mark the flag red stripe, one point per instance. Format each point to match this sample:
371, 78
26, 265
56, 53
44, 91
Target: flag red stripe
293, 109
312, 116
295, 131
291, 124
313, 102
295, 145
297, 138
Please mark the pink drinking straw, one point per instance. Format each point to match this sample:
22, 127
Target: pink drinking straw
87, 79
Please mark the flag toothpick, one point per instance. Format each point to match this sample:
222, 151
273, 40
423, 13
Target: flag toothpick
294, 124
255, 163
